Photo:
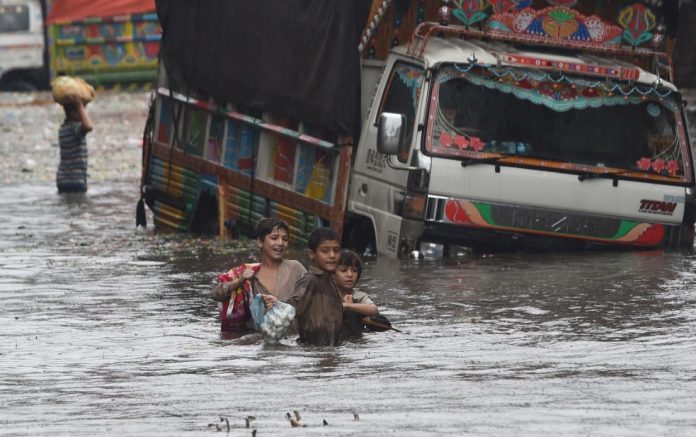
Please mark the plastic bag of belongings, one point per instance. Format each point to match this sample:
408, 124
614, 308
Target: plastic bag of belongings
274, 323
64, 87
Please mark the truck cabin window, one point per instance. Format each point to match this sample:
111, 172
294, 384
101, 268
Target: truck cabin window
14, 18
581, 121
401, 97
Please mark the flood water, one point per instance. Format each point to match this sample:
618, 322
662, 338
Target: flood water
108, 330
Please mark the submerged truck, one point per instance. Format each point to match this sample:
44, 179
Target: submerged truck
413, 125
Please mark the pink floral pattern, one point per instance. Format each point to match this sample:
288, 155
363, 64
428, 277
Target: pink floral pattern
476, 143
644, 163
461, 141
445, 139
658, 165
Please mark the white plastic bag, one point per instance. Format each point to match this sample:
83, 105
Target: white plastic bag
275, 322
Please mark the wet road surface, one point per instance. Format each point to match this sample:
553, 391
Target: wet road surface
108, 330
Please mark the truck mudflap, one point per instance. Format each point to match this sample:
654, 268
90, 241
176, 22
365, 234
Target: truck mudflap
493, 226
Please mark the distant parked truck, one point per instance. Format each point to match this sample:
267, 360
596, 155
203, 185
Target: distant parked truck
108, 45
22, 45
486, 124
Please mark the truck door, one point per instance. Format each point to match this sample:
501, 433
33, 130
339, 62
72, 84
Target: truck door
377, 190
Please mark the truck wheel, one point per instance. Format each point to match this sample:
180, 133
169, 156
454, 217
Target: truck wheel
20, 85
359, 235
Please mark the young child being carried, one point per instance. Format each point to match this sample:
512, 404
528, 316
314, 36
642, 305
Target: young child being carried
356, 304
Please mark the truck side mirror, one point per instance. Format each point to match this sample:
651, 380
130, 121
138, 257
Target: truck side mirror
390, 133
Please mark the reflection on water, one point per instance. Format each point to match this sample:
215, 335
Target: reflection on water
108, 330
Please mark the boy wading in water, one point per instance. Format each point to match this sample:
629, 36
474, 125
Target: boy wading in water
72, 169
274, 276
316, 297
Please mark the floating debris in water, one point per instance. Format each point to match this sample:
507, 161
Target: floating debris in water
295, 422
248, 420
28, 165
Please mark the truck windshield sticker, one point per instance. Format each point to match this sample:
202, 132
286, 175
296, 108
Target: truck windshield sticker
412, 77
531, 118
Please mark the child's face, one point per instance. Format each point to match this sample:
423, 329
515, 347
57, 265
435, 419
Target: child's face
274, 245
346, 277
326, 255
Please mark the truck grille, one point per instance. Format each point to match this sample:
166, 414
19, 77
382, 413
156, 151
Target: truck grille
435, 208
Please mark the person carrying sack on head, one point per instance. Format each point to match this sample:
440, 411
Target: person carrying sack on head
73, 94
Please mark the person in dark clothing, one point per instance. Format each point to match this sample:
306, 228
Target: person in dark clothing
316, 298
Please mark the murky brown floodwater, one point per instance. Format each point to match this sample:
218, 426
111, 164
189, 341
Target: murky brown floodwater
105, 330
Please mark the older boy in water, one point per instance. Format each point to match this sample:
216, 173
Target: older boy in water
316, 297
274, 276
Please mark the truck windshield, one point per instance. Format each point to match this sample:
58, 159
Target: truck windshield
14, 18
534, 118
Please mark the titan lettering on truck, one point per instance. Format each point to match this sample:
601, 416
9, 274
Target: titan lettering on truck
491, 125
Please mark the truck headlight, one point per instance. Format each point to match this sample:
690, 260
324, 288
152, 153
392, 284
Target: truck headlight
414, 206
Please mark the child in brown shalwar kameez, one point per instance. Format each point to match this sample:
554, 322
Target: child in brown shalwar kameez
316, 298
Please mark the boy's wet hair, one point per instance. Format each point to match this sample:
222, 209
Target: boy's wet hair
320, 234
351, 259
265, 226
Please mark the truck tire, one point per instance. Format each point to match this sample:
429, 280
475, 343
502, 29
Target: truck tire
359, 235
20, 85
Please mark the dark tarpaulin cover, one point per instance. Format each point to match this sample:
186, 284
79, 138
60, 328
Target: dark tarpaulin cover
685, 51
295, 58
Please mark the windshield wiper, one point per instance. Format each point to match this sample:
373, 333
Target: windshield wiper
472, 161
614, 175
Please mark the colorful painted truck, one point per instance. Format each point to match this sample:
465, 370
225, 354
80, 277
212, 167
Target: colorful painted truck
408, 125
109, 44
112, 44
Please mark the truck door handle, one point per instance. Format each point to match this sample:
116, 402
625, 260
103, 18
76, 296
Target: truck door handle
363, 189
